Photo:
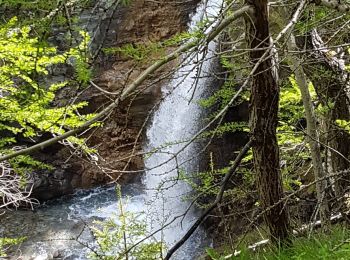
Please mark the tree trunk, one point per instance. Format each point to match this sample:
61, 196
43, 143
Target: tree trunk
312, 133
333, 87
263, 122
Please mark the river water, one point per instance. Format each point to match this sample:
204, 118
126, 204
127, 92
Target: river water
52, 230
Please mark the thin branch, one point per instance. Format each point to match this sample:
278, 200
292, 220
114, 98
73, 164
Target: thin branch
218, 199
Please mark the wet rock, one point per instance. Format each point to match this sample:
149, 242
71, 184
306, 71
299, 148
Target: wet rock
57, 254
71, 257
49, 185
42, 257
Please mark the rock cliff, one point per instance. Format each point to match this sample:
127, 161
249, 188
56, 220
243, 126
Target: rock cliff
119, 140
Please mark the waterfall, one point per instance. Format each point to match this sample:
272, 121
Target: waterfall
175, 122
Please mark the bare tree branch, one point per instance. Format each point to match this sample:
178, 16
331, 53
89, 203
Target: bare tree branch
132, 87
12, 192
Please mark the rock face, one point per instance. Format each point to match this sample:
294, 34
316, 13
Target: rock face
119, 140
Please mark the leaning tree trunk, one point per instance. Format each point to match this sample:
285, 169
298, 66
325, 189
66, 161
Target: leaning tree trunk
263, 123
312, 133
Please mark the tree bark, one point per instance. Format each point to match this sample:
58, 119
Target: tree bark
263, 122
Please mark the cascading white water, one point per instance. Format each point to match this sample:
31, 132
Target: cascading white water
175, 122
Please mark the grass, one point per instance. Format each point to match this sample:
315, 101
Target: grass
332, 245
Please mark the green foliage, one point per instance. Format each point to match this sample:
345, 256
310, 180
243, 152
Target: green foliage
227, 91
125, 2
27, 97
115, 237
182, 37
213, 254
312, 17
24, 164
33, 6
81, 58
290, 140
344, 124
291, 110
224, 95
317, 16
221, 96
224, 128
26, 103
7, 242
291, 106
137, 52
36, 12
207, 183
145, 52
25, 4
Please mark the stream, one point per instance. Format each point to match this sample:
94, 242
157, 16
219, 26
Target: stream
52, 229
